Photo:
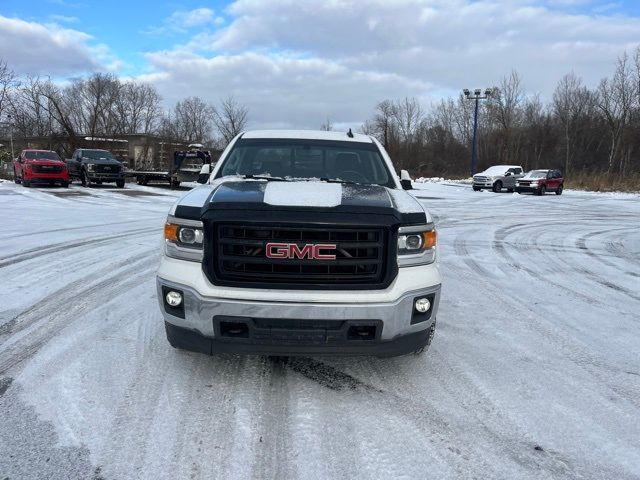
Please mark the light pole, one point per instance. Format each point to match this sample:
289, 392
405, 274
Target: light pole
477, 96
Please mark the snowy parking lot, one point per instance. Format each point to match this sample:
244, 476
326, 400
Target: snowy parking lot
534, 371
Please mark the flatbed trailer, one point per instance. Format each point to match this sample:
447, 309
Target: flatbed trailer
186, 167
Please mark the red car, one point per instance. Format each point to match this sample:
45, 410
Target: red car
40, 166
540, 182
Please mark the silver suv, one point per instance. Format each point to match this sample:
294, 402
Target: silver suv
498, 177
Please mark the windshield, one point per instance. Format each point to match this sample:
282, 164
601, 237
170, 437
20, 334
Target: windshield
497, 170
308, 159
41, 155
97, 154
536, 174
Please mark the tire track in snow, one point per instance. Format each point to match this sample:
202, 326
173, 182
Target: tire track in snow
66, 311
39, 252
58, 301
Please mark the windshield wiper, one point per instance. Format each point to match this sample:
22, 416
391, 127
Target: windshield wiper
265, 177
336, 180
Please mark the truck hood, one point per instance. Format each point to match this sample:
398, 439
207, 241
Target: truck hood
326, 197
43, 161
101, 161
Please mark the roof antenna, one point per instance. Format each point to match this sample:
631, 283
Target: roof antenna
350, 134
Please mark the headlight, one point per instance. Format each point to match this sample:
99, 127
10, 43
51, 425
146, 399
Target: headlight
416, 245
183, 238
90, 166
534, 184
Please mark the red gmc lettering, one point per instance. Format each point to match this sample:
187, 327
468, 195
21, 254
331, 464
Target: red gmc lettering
292, 250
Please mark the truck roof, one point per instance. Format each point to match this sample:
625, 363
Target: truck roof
308, 135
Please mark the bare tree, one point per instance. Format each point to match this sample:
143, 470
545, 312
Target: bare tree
504, 107
230, 118
327, 126
192, 120
616, 97
570, 102
8, 81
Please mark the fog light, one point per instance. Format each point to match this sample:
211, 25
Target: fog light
174, 299
423, 305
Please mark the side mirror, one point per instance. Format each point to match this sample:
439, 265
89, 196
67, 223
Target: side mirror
405, 180
508, 174
205, 171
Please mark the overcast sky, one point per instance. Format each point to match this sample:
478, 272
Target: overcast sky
295, 63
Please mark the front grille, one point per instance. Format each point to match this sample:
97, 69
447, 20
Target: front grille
480, 179
524, 183
47, 168
106, 168
240, 255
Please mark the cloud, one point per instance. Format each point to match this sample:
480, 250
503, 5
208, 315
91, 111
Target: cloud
63, 19
49, 49
181, 21
279, 91
297, 63
448, 43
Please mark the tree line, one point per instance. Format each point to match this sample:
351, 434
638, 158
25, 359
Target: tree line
105, 106
578, 130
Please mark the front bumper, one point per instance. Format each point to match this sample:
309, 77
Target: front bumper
527, 189
105, 177
483, 184
46, 177
304, 323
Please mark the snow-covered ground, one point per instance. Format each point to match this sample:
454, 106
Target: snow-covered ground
534, 371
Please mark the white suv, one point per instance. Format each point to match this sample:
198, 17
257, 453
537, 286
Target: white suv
498, 177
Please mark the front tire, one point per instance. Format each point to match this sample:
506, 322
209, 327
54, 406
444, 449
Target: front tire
84, 179
15, 176
65, 184
120, 183
476, 189
559, 190
542, 190
497, 187
510, 190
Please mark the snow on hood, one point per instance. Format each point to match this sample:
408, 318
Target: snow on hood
303, 194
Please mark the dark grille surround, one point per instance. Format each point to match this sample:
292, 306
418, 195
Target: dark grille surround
106, 168
239, 256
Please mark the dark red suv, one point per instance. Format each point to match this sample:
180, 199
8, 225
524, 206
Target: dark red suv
540, 182
40, 166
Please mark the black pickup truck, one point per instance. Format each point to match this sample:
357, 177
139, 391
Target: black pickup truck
97, 166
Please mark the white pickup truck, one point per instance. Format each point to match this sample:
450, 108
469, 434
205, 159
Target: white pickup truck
300, 243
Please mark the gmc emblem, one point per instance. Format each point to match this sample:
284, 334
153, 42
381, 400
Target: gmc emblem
292, 250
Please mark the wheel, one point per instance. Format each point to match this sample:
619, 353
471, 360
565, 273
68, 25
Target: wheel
425, 347
559, 189
120, 183
15, 176
175, 183
65, 184
510, 190
99, 182
84, 179
26, 183
543, 190
476, 189
497, 187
